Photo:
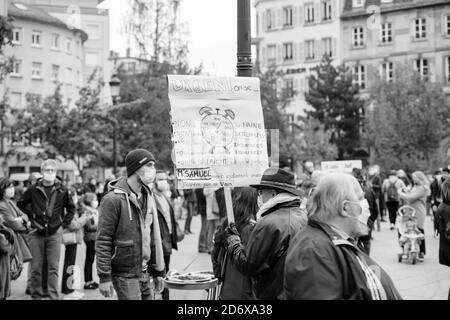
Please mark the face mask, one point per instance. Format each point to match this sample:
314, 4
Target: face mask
94, 204
162, 185
9, 193
365, 211
392, 179
148, 176
49, 177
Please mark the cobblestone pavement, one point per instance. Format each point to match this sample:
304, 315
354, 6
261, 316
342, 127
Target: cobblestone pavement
426, 280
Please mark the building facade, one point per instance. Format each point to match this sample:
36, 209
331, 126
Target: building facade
46, 54
294, 36
4, 8
379, 36
86, 15
128, 65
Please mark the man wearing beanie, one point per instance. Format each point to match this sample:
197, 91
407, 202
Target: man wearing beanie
128, 241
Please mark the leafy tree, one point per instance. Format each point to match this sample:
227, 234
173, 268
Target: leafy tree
407, 122
335, 103
6, 36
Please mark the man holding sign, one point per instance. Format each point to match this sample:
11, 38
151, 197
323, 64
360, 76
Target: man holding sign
278, 220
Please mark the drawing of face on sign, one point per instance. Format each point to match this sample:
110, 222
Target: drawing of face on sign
217, 127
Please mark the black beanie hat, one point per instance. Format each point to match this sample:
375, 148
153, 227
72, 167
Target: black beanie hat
136, 159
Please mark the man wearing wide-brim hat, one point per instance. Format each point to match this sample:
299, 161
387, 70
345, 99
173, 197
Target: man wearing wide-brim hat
278, 220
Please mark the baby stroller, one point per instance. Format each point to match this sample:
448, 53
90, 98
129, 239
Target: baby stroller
410, 236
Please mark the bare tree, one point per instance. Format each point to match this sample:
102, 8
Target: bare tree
155, 32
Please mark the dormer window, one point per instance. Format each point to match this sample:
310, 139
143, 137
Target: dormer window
358, 3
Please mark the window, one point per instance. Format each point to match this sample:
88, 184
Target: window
310, 50
327, 47
17, 36
92, 59
55, 41
16, 100
387, 71
69, 45
326, 10
271, 54
36, 70
358, 37
420, 28
287, 17
287, 52
55, 73
69, 76
447, 25
359, 76
309, 12
421, 66
289, 86
270, 19
93, 31
36, 38
17, 68
386, 33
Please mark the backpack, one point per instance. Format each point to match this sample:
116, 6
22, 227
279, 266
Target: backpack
392, 193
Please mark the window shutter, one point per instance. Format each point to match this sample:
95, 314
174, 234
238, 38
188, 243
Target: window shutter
263, 57
334, 48
301, 85
334, 9
318, 44
279, 21
300, 15
294, 16
295, 86
317, 12
305, 85
279, 54
301, 52
295, 53
264, 21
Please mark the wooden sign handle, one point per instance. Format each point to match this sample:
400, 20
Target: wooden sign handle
229, 204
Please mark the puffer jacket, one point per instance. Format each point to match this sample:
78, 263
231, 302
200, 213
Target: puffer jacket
263, 257
119, 243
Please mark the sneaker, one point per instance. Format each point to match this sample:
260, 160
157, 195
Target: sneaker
421, 257
392, 226
74, 296
90, 286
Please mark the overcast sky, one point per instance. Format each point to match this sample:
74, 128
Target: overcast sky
212, 28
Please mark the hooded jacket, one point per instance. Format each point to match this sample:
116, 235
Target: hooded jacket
321, 264
35, 204
124, 235
263, 257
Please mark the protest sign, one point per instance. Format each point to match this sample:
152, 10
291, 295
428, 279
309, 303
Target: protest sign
218, 132
341, 166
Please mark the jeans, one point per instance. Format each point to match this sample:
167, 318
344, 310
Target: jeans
202, 244
69, 262
133, 288
422, 243
392, 207
90, 257
190, 213
45, 249
211, 226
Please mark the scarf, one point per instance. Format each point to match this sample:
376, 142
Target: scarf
163, 205
279, 198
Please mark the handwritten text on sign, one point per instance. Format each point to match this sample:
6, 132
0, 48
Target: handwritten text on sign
218, 131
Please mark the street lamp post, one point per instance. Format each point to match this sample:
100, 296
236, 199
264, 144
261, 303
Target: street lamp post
114, 84
244, 50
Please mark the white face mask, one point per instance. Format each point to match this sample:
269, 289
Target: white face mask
148, 176
49, 177
365, 211
94, 204
9, 193
162, 185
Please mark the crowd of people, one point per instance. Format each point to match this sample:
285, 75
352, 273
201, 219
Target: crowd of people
294, 237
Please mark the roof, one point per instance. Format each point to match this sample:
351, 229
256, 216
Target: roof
28, 12
395, 5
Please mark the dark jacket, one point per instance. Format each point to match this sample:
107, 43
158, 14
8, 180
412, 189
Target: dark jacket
6, 247
263, 257
35, 204
443, 227
201, 202
320, 264
118, 245
10, 212
235, 285
90, 228
220, 197
169, 240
